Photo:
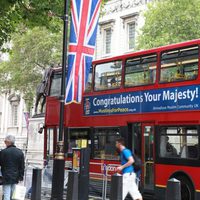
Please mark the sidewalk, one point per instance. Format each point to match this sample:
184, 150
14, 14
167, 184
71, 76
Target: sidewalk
1, 193
91, 198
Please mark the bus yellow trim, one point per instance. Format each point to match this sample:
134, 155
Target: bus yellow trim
164, 186
161, 186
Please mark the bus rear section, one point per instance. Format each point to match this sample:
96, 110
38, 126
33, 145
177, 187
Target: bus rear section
151, 98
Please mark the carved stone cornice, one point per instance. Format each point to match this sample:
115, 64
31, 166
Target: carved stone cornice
14, 99
132, 16
120, 5
109, 23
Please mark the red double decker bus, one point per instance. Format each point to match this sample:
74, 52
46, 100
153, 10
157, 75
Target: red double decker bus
152, 99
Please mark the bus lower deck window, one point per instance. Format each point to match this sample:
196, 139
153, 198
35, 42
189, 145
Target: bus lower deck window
78, 138
179, 142
104, 143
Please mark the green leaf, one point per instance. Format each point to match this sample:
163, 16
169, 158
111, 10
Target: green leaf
170, 21
32, 52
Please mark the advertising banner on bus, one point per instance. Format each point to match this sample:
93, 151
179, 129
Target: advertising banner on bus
159, 100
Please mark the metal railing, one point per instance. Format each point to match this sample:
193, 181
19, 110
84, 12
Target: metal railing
99, 179
104, 177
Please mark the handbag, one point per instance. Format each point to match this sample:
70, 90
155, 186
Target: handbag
1, 178
19, 192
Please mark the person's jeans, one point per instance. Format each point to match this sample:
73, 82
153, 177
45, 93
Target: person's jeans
8, 191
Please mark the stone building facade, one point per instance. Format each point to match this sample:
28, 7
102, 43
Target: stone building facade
13, 118
119, 25
13, 113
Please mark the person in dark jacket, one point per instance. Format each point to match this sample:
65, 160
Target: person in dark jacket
12, 166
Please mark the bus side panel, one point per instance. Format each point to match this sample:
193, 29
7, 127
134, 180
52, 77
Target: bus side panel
164, 172
52, 111
161, 192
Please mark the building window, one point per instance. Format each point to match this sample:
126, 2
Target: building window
14, 109
107, 40
131, 35
129, 30
14, 115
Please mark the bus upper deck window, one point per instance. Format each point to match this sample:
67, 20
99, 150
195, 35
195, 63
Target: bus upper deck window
108, 75
140, 70
55, 85
88, 85
179, 65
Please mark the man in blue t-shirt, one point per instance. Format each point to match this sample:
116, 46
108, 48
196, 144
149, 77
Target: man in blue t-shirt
127, 169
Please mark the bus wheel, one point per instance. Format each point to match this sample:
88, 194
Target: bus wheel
187, 189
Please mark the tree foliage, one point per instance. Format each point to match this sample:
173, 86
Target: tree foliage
31, 53
30, 13
170, 21
35, 29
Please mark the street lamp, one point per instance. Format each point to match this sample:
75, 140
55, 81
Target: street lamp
59, 161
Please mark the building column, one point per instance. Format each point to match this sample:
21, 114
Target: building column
6, 119
21, 115
3, 113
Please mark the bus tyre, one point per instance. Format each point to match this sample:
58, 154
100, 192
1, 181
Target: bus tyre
187, 189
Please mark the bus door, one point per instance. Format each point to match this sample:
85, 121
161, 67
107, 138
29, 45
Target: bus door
50, 143
148, 156
50, 139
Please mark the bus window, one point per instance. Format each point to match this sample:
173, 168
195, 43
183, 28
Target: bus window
55, 84
179, 142
140, 71
179, 65
50, 144
88, 85
104, 143
78, 138
108, 75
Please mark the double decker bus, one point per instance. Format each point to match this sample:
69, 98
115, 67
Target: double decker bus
152, 99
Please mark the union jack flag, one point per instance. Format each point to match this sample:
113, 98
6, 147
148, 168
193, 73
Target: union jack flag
83, 30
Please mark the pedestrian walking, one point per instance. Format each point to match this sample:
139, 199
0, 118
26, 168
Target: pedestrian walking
127, 169
12, 166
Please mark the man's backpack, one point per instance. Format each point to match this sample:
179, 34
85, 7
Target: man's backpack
137, 164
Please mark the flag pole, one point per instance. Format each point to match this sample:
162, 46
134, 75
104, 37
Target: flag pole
59, 161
